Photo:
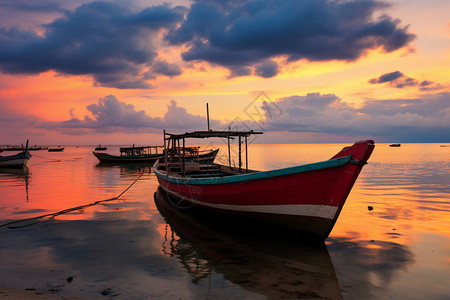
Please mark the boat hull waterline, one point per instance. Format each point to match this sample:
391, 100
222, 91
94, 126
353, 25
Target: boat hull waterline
19, 160
108, 158
308, 198
149, 158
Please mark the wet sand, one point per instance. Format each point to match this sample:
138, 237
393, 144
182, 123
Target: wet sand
32, 294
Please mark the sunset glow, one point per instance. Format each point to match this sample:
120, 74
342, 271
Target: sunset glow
58, 60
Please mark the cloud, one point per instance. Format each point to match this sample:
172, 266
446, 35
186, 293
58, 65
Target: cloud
110, 115
361, 261
106, 40
164, 68
311, 113
32, 6
107, 115
118, 46
387, 77
424, 119
421, 119
266, 69
398, 80
240, 35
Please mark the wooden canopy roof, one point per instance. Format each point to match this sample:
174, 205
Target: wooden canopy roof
212, 134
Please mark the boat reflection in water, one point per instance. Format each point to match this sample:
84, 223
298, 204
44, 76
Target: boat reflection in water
254, 257
16, 176
126, 170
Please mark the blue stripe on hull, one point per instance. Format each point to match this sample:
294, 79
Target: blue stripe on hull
257, 175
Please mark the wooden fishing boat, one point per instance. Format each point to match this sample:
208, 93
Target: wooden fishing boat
55, 149
12, 148
150, 154
307, 198
100, 148
20, 148
134, 154
18, 160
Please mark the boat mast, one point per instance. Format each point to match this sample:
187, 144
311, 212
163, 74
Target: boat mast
184, 157
246, 156
207, 114
165, 153
240, 155
229, 152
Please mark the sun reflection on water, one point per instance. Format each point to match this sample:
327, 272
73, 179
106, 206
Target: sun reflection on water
390, 241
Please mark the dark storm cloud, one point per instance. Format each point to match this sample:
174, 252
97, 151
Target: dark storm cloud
398, 80
266, 69
247, 33
387, 77
103, 39
32, 6
424, 119
164, 68
117, 46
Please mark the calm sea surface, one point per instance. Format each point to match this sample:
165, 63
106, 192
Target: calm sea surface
137, 248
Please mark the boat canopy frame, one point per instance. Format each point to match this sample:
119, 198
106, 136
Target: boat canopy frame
176, 145
139, 150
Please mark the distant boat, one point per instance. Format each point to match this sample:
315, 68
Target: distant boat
18, 160
13, 148
140, 154
34, 148
100, 148
20, 148
55, 149
307, 198
150, 154
395, 145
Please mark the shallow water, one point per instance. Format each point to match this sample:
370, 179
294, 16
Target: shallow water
136, 248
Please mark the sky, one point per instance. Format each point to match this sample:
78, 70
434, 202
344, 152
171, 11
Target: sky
302, 71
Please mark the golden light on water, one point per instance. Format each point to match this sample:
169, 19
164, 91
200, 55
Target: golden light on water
393, 228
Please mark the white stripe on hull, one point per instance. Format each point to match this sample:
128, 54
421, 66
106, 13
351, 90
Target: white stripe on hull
307, 210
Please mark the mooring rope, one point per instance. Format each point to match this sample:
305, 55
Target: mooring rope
51, 159
65, 211
46, 158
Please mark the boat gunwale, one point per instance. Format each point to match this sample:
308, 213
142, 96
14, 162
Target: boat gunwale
331, 163
22, 154
107, 155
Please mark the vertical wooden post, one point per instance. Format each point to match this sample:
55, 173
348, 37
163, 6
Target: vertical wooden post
246, 156
184, 156
165, 154
240, 154
207, 114
229, 153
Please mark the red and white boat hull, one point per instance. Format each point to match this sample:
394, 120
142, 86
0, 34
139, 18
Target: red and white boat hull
308, 198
